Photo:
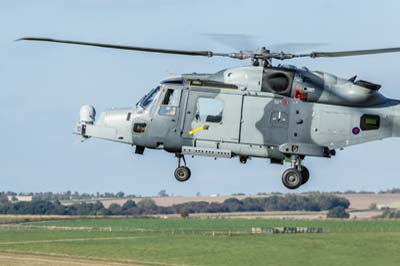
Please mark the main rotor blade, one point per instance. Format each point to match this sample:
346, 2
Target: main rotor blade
351, 53
125, 47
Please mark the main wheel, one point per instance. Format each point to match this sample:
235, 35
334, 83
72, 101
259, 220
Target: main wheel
305, 174
182, 173
292, 178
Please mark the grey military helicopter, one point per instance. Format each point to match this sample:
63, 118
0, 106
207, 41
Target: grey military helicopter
281, 112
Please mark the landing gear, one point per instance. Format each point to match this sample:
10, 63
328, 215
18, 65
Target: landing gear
182, 173
305, 174
243, 159
292, 178
296, 176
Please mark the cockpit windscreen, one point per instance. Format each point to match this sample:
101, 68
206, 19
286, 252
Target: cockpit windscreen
149, 98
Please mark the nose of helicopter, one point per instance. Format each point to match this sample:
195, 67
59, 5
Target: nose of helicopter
114, 124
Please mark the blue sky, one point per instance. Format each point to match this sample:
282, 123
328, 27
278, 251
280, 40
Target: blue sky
42, 87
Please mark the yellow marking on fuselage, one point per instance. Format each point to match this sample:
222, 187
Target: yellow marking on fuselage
197, 129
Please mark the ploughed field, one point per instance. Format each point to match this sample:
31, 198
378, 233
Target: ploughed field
146, 241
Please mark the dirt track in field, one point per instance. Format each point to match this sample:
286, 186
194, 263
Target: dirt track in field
72, 240
20, 259
9, 259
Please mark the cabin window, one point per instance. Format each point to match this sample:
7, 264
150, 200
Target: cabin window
209, 110
370, 122
170, 102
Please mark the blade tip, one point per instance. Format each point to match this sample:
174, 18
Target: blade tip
22, 39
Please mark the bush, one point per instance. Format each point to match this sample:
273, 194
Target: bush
184, 214
391, 214
338, 212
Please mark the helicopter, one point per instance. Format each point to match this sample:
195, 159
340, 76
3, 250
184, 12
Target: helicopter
282, 113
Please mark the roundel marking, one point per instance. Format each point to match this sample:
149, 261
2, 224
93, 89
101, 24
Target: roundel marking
356, 130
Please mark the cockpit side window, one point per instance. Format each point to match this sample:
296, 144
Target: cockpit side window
170, 102
209, 110
172, 97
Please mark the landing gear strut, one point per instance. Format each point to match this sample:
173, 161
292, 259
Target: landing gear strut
182, 173
296, 176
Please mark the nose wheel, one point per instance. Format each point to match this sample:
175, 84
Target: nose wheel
292, 178
296, 176
182, 173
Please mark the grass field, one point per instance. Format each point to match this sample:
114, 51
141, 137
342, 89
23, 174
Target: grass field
143, 241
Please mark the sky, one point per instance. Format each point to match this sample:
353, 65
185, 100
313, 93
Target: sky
43, 85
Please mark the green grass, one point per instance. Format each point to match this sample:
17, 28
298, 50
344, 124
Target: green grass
346, 243
224, 224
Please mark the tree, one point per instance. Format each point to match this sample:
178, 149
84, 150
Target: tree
115, 209
238, 194
147, 203
90, 208
252, 204
129, 204
233, 204
3, 199
163, 193
338, 212
120, 194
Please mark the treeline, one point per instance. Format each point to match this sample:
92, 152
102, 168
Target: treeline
387, 191
315, 202
68, 195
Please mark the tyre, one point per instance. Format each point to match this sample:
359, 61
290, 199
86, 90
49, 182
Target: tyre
305, 174
292, 178
182, 173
